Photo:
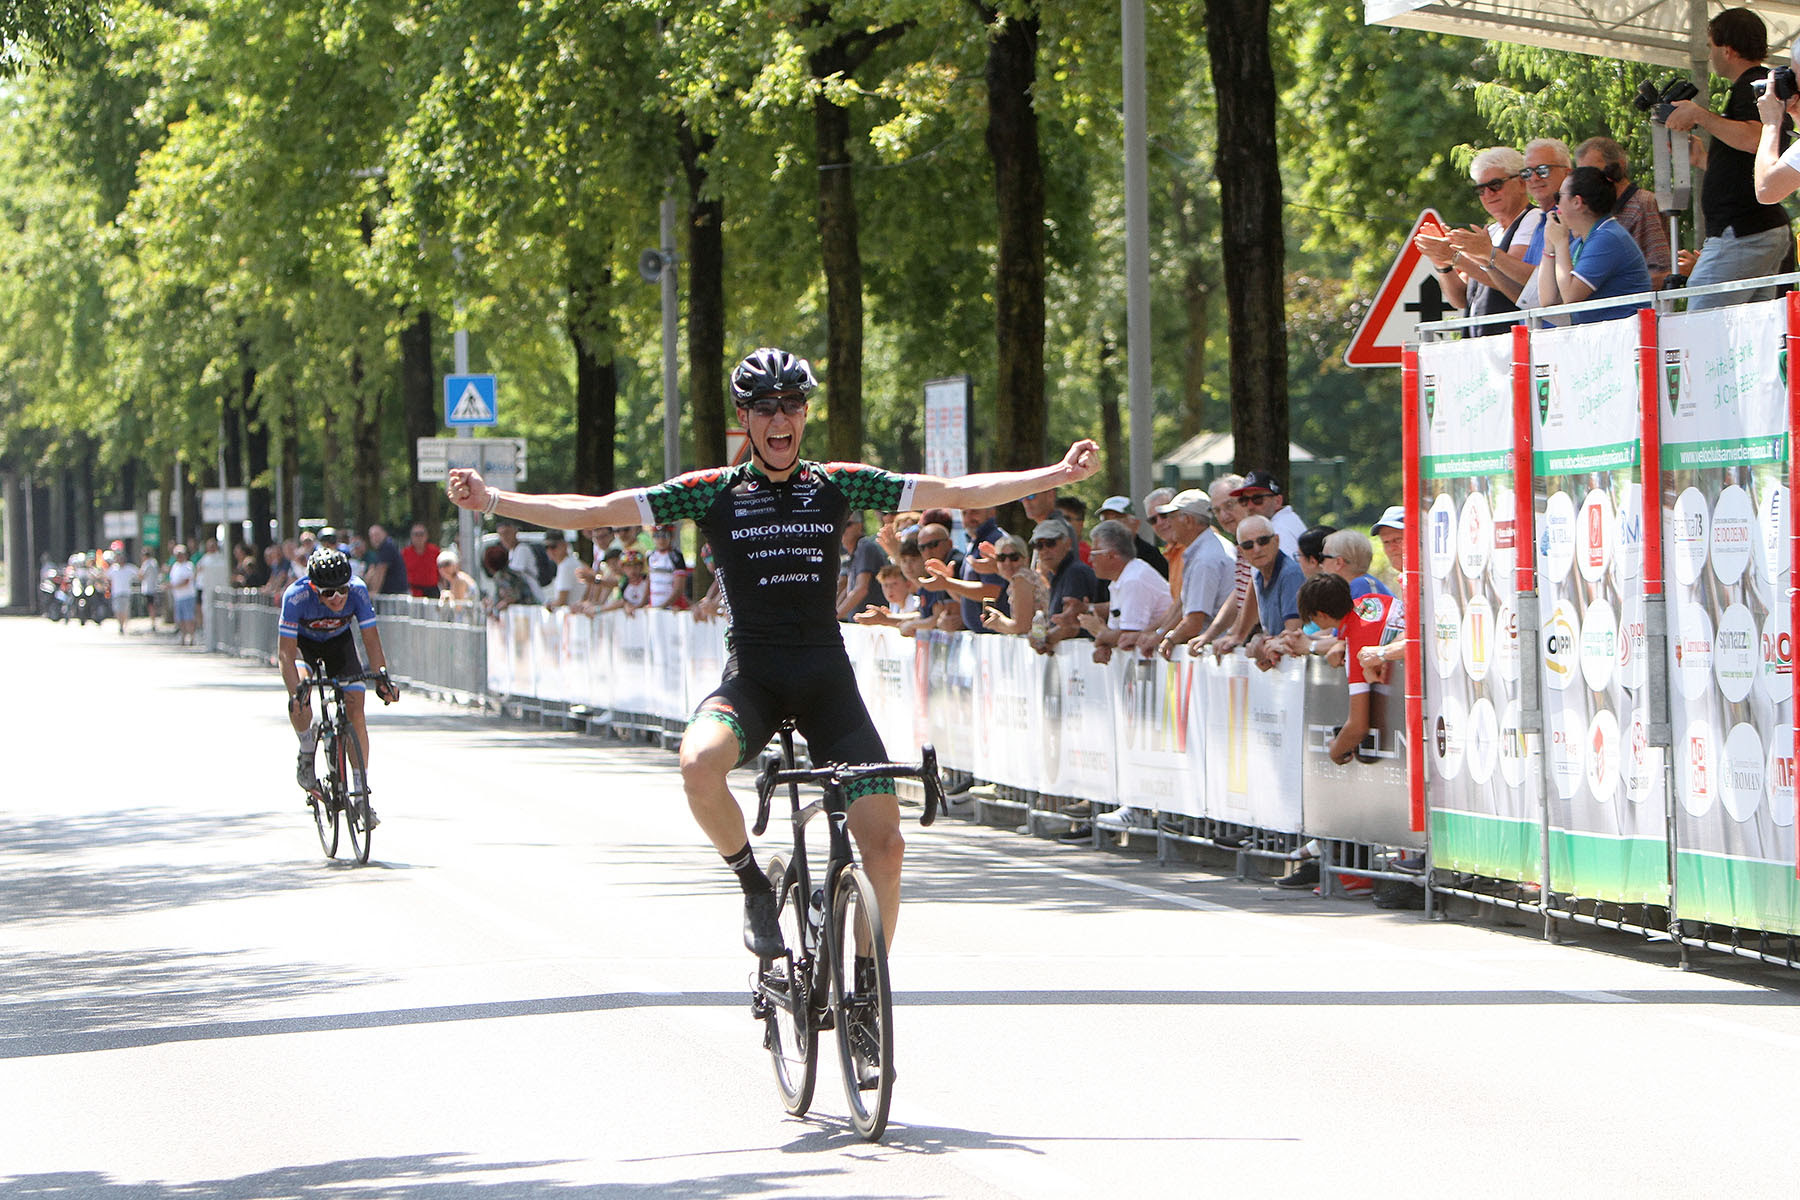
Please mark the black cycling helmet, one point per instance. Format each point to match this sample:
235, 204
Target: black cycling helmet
768, 372
328, 568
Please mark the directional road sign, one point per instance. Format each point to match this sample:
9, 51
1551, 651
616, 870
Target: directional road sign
469, 400
1410, 294
501, 461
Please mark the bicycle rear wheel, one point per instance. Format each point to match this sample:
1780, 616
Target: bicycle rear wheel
863, 1007
356, 802
788, 1032
325, 802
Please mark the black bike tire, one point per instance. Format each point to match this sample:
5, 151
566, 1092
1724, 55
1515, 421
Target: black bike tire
324, 804
356, 808
793, 1042
854, 900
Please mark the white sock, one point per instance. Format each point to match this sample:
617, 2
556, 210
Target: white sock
309, 740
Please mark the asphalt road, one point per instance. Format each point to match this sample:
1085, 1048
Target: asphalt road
537, 990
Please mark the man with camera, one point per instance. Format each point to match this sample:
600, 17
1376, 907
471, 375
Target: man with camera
1777, 174
1745, 238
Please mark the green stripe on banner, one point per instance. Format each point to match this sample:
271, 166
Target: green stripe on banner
1749, 893
1727, 452
1498, 847
1622, 870
1458, 466
1590, 458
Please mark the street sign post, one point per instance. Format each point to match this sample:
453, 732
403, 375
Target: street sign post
1410, 294
470, 400
501, 461
231, 506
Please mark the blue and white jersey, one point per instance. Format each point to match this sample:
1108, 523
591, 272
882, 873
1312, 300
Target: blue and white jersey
304, 615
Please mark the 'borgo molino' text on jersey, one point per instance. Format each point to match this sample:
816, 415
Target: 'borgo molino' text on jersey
776, 545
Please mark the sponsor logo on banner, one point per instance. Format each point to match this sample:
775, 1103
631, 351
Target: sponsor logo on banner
1556, 537
1237, 735
1562, 641
1697, 795
1736, 648
1693, 644
1512, 745
1628, 534
1776, 650
1772, 523
1674, 369
1733, 527
1052, 699
1428, 391
1641, 766
1540, 388
1475, 535
1477, 638
1603, 756
1599, 644
1688, 536
1483, 742
1568, 749
1447, 738
1742, 787
1440, 535
1594, 533
1446, 626
1632, 645
1506, 644
1779, 773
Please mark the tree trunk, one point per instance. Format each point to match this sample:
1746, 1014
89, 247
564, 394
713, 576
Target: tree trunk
1237, 42
1115, 454
1196, 303
290, 475
420, 417
365, 450
841, 256
1012, 141
256, 450
589, 325
706, 303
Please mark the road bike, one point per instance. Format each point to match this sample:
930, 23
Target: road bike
340, 800
834, 971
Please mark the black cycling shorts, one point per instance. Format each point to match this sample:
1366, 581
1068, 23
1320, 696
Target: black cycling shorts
335, 656
815, 685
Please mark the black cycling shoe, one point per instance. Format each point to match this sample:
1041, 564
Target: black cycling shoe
762, 932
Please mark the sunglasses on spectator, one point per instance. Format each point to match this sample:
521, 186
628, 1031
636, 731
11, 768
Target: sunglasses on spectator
328, 593
1045, 543
766, 406
933, 542
1009, 556
1542, 170
1256, 543
1492, 185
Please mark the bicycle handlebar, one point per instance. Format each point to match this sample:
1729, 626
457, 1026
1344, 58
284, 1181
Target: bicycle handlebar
926, 772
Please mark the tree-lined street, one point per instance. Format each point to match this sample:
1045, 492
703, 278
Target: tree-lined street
536, 989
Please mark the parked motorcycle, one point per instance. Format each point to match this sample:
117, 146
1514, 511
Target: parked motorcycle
53, 596
86, 603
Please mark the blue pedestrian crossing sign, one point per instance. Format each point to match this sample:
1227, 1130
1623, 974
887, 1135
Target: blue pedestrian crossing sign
469, 400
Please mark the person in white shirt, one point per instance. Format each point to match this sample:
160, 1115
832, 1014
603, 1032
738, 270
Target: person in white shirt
1139, 597
1261, 497
181, 593
212, 573
121, 580
520, 558
566, 588
150, 583
668, 570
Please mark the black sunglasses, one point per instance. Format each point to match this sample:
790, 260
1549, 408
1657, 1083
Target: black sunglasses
328, 593
1009, 556
766, 406
1044, 543
1542, 170
1492, 185
933, 542
1256, 543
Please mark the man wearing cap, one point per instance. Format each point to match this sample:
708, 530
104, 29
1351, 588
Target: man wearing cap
1206, 570
1118, 508
1391, 531
1073, 584
1261, 496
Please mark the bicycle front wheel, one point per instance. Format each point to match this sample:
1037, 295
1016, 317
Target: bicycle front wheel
788, 1031
862, 1002
325, 803
356, 799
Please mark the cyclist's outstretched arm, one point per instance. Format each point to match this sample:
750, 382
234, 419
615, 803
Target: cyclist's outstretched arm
997, 487
467, 490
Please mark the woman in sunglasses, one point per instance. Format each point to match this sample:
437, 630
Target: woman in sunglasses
316, 613
774, 524
1027, 595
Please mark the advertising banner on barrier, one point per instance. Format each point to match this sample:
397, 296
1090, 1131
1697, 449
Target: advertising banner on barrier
1724, 465
1255, 729
884, 674
1080, 758
1153, 701
1608, 833
1009, 691
1481, 779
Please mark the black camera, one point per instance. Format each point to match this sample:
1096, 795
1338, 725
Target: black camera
1659, 104
1782, 79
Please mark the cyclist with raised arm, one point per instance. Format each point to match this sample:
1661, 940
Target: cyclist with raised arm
774, 525
316, 614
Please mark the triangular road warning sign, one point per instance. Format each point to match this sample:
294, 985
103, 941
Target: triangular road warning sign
471, 406
1409, 295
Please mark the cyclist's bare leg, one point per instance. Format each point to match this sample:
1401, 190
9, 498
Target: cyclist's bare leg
709, 750
353, 704
875, 824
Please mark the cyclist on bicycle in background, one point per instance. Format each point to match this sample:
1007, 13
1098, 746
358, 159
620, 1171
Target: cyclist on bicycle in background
316, 612
775, 526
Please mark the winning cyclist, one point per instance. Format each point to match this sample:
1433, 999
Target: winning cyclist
316, 612
774, 525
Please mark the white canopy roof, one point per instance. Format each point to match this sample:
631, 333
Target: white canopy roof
1668, 33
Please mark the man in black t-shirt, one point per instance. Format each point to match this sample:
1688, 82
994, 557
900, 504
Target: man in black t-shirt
1744, 239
